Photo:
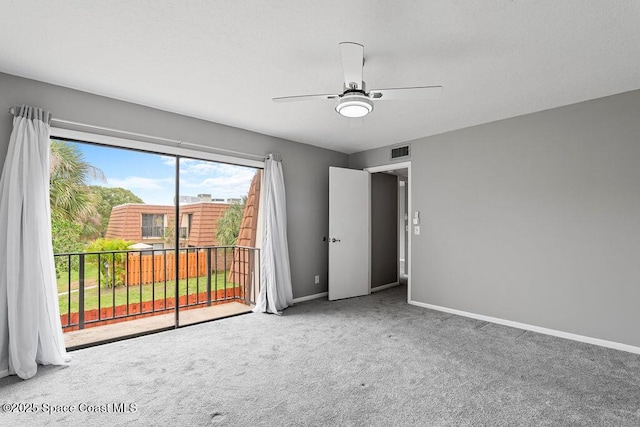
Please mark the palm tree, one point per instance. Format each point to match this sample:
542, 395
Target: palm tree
229, 224
70, 196
73, 206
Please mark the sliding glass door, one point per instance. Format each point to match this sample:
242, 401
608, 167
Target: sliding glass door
159, 240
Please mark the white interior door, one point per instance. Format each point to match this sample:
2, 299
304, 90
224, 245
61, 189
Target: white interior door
349, 234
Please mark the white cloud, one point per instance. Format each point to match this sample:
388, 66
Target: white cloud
196, 177
201, 167
140, 183
168, 160
171, 161
222, 181
155, 197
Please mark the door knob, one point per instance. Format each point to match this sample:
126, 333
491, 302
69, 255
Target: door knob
333, 240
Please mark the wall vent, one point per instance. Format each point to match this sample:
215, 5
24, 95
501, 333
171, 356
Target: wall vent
400, 152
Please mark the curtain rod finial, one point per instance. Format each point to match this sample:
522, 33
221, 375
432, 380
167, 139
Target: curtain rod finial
276, 157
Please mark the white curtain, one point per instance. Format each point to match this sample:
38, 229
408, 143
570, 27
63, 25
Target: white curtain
30, 329
275, 275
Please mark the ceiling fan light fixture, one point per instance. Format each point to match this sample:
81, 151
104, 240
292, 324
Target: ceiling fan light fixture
354, 106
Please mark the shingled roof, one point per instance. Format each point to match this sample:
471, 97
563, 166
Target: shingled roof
242, 264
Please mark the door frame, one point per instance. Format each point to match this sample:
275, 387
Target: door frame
389, 167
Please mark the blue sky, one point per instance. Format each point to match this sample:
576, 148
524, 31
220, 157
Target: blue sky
152, 176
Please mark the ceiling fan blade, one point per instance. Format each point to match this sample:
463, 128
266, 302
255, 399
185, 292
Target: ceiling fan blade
304, 98
352, 62
419, 92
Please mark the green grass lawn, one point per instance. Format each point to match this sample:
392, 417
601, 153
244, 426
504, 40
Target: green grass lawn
90, 274
107, 294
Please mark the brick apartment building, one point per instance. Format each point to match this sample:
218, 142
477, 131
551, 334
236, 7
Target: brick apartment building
155, 224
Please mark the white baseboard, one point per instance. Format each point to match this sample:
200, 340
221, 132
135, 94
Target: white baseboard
310, 297
387, 286
546, 331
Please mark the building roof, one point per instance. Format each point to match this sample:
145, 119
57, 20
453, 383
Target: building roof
125, 221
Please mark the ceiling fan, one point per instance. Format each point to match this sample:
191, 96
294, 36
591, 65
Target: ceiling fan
355, 101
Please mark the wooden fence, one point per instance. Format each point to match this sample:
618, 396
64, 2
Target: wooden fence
154, 268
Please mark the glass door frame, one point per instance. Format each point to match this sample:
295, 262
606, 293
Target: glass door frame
178, 152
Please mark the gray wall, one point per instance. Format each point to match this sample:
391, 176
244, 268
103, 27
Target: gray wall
305, 167
384, 229
534, 219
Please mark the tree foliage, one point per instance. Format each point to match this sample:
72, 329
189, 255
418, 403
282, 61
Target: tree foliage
107, 245
108, 197
79, 212
73, 210
229, 224
170, 234
69, 194
65, 240
111, 265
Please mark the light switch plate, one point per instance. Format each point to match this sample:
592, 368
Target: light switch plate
416, 230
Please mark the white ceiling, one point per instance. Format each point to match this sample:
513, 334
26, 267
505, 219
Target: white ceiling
223, 61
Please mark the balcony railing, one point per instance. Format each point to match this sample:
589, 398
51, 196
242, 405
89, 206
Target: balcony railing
96, 288
153, 232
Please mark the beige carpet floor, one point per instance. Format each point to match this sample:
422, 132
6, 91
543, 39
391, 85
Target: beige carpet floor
372, 360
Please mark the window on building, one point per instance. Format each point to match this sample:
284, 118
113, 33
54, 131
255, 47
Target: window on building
153, 226
185, 225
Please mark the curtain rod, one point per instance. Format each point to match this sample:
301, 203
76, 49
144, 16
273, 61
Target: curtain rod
13, 112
